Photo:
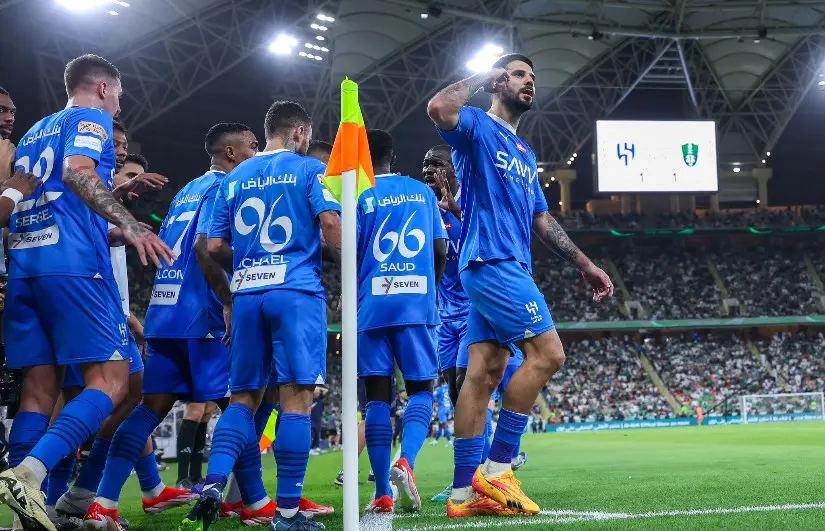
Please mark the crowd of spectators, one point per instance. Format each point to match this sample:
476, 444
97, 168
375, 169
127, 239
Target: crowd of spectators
603, 380
725, 219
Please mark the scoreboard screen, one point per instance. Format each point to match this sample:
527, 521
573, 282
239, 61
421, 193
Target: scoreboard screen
656, 156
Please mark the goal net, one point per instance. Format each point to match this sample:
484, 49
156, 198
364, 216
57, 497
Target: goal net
783, 407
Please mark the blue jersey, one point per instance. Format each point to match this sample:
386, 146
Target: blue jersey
268, 208
442, 397
183, 306
453, 302
54, 232
398, 220
500, 188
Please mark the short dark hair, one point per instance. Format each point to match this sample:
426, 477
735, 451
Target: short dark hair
137, 158
319, 146
380, 143
4, 92
84, 69
284, 116
117, 125
218, 132
442, 148
506, 59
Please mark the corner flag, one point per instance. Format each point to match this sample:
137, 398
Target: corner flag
350, 151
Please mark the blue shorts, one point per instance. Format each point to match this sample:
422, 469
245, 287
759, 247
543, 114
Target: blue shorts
281, 329
450, 334
507, 306
443, 415
412, 347
74, 376
63, 320
194, 370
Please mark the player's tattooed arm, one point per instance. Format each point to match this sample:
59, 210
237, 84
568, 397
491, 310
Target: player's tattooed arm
212, 271
550, 233
331, 232
220, 252
444, 107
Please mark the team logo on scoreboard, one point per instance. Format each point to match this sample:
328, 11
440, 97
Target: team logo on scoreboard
690, 154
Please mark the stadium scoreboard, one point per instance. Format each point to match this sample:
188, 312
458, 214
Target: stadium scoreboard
656, 156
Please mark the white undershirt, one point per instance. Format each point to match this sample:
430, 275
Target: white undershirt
121, 275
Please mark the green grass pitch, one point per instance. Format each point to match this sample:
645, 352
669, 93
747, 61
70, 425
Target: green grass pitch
735, 477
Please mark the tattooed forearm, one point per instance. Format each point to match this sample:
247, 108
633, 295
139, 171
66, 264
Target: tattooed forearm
220, 251
445, 106
85, 183
213, 272
548, 230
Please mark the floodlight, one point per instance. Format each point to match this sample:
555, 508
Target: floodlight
737, 169
483, 60
425, 16
81, 5
283, 44
319, 37
113, 12
541, 170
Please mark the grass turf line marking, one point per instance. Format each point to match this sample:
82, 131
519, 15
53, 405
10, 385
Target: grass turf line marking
568, 516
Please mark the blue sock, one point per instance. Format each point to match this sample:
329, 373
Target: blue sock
262, 417
228, 442
249, 471
517, 448
292, 454
125, 449
80, 419
28, 427
146, 469
416, 425
488, 436
92, 471
438, 432
59, 478
509, 429
378, 431
467, 454
448, 434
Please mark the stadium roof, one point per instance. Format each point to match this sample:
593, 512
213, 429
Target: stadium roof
745, 63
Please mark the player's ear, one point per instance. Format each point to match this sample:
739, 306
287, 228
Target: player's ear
229, 152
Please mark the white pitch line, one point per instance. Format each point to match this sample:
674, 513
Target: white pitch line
376, 522
567, 516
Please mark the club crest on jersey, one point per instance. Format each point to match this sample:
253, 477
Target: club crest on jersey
92, 128
521, 148
448, 226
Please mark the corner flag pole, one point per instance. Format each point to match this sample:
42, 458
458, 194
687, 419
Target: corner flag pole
348, 174
349, 331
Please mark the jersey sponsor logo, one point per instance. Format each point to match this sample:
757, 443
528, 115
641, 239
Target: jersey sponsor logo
88, 142
270, 180
92, 128
516, 167
259, 276
39, 135
171, 274
328, 197
38, 238
165, 294
405, 284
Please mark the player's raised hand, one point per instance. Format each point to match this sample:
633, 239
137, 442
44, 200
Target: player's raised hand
147, 244
496, 79
447, 201
25, 183
599, 281
143, 182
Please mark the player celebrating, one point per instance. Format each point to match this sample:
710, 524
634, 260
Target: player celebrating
61, 283
503, 203
266, 226
401, 257
184, 326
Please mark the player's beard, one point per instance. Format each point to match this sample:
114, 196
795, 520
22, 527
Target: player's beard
513, 101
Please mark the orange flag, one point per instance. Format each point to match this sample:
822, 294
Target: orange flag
350, 151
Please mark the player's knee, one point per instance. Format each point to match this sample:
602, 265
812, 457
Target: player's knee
551, 361
194, 411
379, 389
208, 411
